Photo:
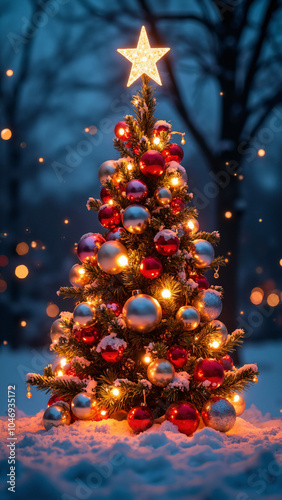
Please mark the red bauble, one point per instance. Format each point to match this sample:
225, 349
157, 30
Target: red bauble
122, 131
173, 153
105, 195
55, 398
136, 191
161, 126
140, 418
185, 416
101, 414
151, 267
112, 355
209, 370
90, 336
166, 242
177, 355
88, 246
115, 234
226, 362
177, 205
152, 164
114, 307
71, 372
200, 279
109, 216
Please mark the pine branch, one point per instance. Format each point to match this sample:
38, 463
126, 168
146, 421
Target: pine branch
62, 387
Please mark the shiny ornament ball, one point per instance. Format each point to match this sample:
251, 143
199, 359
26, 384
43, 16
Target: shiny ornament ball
112, 355
184, 415
201, 281
135, 219
173, 152
209, 372
152, 164
226, 362
55, 415
191, 226
76, 275
177, 172
220, 327
142, 313
208, 303
177, 206
163, 196
83, 406
160, 372
88, 247
114, 307
105, 196
84, 314
115, 234
136, 191
112, 257
90, 336
239, 404
151, 267
203, 253
166, 242
178, 356
106, 171
219, 414
122, 131
140, 419
161, 126
57, 331
189, 317
109, 216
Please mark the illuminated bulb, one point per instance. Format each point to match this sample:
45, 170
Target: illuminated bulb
147, 359
236, 398
81, 271
215, 344
121, 131
260, 220
220, 93
156, 140
86, 129
255, 379
63, 362
6, 134
166, 294
21, 271
241, 312
103, 412
174, 181
9, 72
33, 244
28, 395
111, 202
228, 215
60, 373
41, 160
123, 261
66, 221
5, 342
115, 392
129, 166
261, 152
182, 140
23, 323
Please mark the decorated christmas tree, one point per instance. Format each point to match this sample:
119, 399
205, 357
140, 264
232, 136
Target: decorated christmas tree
144, 341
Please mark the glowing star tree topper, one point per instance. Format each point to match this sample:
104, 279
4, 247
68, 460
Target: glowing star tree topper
143, 59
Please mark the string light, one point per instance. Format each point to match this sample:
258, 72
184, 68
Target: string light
261, 152
6, 134
111, 202
103, 412
156, 141
63, 362
122, 260
215, 344
255, 379
129, 166
60, 373
174, 181
115, 392
240, 177
260, 220
166, 294
21, 271
147, 359
4, 260
33, 244
66, 221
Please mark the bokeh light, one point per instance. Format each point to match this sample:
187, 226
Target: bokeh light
3, 260
256, 296
22, 248
273, 299
52, 310
9, 72
3, 286
228, 215
41, 160
21, 271
261, 152
6, 134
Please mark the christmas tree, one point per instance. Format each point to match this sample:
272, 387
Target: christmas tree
144, 339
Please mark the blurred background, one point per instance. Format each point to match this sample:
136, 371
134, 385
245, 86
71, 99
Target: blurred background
63, 89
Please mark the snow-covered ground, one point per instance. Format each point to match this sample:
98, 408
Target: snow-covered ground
105, 460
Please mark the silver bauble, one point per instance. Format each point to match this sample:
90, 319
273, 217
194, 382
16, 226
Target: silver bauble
219, 414
106, 170
76, 274
221, 330
208, 303
203, 253
163, 196
84, 314
160, 372
57, 331
55, 415
239, 404
112, 257
83, 406
142, 313
135, 219
189, 317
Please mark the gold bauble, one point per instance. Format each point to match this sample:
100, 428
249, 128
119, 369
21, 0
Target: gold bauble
160, 372
112, 257
106, 171
142, 313
163, 196
76, 275
239, 404
208, 303
135, 219
189, 317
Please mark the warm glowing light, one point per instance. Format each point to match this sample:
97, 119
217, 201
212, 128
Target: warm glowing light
41, 160
156, 140
115, 392
259, 270
241, 312
228, 215
255, 379
6, 134
123, 261
111, 202
66, 221
182, 140
86, 129
22, 248
256, 296
220, 93
129, 166
23, 145
174, 181
103, 412
215, 344
21, 271
92, 130
5, 342
81, 271
23, 323
63, 362
240, 177
143, 59
52, 310
33, 244
236, 398
261, 152
192, 225
121, 131
260, 220
60, 373
3, 286
273, 299
9, 72
166, 294
147, 359
280, 262
4, 261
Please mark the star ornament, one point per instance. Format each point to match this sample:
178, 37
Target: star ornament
143, 59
